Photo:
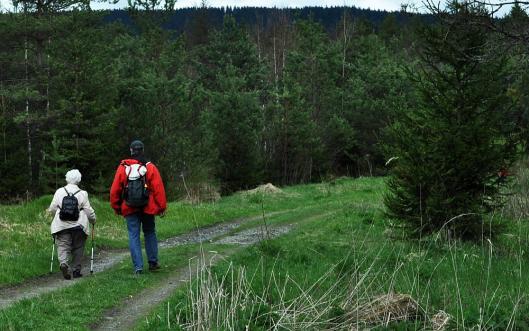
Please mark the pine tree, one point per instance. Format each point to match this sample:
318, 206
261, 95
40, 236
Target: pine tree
376, 83
54, 166
198, 30
389, 27
451, 145
310, 107
516, 27
234, 79
83, 100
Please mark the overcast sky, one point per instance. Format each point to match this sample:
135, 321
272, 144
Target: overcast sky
374, 4
390, 5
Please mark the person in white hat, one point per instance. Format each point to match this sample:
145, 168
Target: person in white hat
70, 226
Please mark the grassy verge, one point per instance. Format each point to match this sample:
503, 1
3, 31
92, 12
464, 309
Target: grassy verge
25, 247
83, 304
79, 306
342, 271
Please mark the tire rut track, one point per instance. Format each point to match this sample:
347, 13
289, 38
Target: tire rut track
106, 259
136, 308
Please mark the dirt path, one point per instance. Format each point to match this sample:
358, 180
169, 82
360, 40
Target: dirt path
209, 233
137, 307
107, 259
35, 287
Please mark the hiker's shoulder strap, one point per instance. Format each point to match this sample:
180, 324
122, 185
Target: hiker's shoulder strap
146, 168
67, 193
76, 192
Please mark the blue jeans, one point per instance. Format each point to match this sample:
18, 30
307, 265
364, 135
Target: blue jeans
149, 233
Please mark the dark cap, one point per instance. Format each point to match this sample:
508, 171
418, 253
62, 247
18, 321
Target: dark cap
136, 148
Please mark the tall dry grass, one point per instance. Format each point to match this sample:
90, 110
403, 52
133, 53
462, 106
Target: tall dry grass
354, 301
366, 294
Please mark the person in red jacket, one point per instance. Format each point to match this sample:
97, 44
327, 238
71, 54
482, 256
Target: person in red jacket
142, 213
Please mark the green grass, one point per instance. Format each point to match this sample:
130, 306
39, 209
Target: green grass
337, 264
80, 305
25, 247
342, 254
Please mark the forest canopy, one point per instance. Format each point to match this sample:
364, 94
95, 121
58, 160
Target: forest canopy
223, 98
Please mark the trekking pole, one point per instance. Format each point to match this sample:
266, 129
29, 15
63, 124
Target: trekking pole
52, 253
92, 258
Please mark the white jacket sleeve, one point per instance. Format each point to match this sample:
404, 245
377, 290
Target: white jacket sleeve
55, 203
89, 211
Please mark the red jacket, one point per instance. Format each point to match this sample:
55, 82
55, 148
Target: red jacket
157, 202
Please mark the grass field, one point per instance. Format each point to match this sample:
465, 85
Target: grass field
342, 259
329, 273
25, 247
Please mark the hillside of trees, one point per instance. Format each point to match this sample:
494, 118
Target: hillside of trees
183, 20
223, 99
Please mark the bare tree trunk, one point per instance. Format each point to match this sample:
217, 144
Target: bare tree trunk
48, 79
258, 38
284, 25
275, 60
344, 46
284, 56
4, 123
344, 55
28, 121
310, 169
285, 146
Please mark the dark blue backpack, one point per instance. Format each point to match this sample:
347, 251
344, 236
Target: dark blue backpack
69, 210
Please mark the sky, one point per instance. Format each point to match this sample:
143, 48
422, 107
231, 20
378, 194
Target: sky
389, 5
374, 4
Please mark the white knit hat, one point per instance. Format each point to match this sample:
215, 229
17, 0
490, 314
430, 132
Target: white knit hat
73, 177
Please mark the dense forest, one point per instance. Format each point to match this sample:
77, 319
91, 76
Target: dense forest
182, 20
223, 99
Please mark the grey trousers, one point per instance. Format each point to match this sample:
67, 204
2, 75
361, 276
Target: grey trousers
71, 242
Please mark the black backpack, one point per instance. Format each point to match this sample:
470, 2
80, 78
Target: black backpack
70, 207
136, 193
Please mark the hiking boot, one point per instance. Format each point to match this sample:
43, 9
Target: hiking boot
153, 266
65, 271
77, 274
138, 272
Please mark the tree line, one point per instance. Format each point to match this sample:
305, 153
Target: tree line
439, 103
226, 107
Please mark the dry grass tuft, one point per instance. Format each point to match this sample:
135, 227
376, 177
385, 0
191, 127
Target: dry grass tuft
202, 192
391, 307
440, 320
223, 301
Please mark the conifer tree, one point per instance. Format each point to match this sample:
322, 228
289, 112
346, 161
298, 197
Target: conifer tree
311, 107
234, 79
452, 144
83, 98
516, 27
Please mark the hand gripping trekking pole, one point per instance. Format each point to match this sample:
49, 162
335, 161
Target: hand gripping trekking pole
52, 253
92, 257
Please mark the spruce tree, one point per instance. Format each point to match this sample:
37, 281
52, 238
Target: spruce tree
83, 97
515, 26
450, 146
233, 78
312, 132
